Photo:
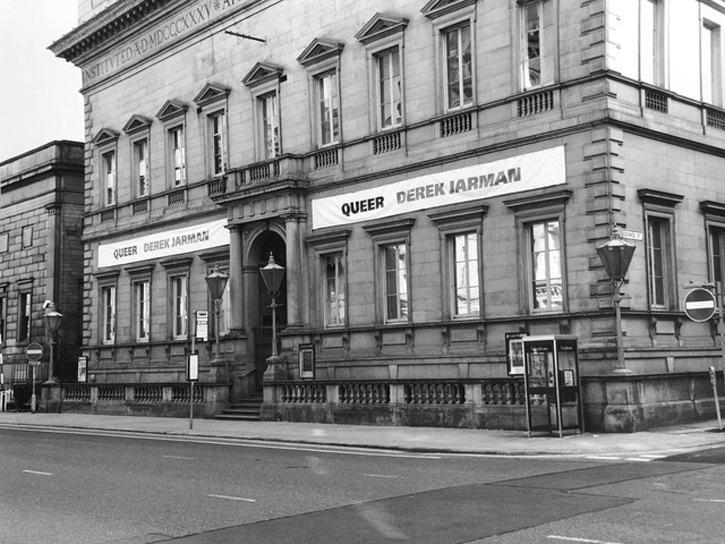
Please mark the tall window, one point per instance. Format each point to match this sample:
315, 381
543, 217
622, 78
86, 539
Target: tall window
24, 313
328, 108
717, 253
711, 64
3, 304
537, 48
141, 167
652, 44
177, 149
141, 303
466, 287
108, 170
658, 260
218, 143
108, 309
459, 67
389, 90
179, 297
396, 282
546, 265
270, 125
335, 299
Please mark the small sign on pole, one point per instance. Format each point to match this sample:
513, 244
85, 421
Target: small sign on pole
192, 375
202, 325
34, 352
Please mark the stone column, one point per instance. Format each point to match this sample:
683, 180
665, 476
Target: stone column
294, 271
236, 278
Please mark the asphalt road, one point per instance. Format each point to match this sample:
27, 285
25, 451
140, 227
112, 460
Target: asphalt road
86, 487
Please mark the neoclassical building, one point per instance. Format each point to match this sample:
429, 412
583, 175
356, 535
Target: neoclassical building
435, 178
41, 250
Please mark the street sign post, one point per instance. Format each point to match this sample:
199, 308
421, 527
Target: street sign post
700, 304
34, 352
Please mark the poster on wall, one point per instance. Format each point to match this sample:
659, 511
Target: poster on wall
480, 181
307, 360
164, 244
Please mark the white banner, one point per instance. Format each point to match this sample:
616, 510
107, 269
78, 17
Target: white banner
164, 244
522, 173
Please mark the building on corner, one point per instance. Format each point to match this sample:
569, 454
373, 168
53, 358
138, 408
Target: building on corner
435, 178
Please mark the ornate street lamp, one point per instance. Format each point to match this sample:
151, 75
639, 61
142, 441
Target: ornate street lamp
272, 275
52, 320
217, 282
616, 256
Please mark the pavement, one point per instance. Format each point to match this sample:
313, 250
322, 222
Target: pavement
642, 445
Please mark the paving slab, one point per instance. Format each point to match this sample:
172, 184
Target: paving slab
656, 442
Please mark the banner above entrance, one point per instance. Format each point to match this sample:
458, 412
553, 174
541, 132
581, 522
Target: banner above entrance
487, 180
164, 244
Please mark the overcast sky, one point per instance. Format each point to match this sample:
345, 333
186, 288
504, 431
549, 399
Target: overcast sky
38, 92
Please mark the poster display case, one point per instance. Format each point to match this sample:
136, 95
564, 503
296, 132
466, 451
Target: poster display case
551, 383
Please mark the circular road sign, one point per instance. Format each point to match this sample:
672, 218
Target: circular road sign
34, 351
700, 304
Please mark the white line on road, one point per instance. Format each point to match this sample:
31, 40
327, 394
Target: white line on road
227, 497
587, 540
38, 473
380, 476
639, 459
709, 500
603, 458
177, 457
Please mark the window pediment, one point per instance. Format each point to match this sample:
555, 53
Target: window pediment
105, 136
171, 109
211, 92
136, 123
381, 26
262, 73
659, 198
557, 198
320, 50
437, 8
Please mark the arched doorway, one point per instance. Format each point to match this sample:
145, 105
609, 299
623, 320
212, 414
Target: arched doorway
266, 243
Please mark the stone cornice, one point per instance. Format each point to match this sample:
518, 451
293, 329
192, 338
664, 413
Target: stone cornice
104, 26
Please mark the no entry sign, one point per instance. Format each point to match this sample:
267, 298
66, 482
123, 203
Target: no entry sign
34, 352
700, 304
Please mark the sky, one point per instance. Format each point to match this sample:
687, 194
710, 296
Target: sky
39, 92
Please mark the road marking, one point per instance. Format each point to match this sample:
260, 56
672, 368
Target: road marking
709, 500
638, 459
37, 472
587, 540
229, 498
177, 457
380, 476
603, 458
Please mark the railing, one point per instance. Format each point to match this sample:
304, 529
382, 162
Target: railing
715, 118
304, 393
656, 100
435, 393
456, 124
177, 198
22, 372
386, 142
364, 393
535, 103
217, 186
108, 215
142, 206
325, 159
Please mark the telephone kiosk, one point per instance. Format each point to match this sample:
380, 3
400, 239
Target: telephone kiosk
551, 384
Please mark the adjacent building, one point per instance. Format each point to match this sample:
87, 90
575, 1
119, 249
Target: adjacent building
41, 251
435, 178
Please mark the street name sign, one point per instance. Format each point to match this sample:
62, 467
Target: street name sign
700, 304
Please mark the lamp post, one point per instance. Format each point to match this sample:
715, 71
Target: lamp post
52, 320
217, 282
272, 275
616, 256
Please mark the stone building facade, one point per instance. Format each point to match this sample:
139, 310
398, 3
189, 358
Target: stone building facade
41, 251
435, 177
